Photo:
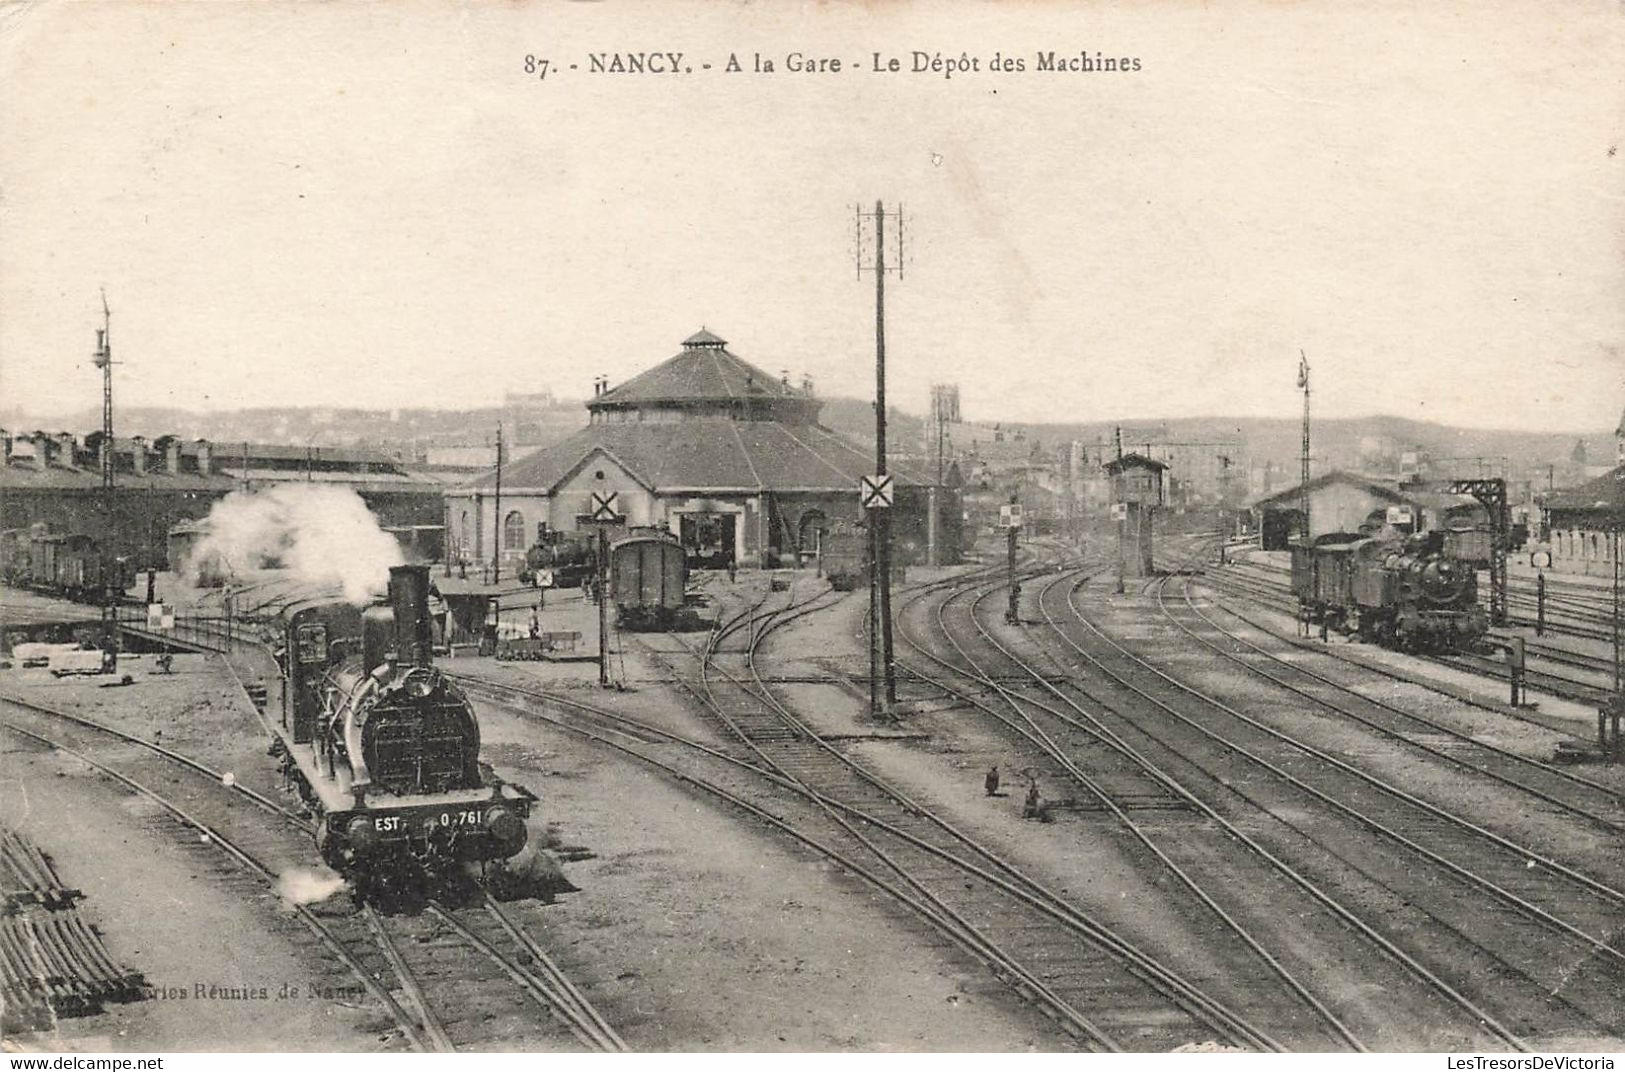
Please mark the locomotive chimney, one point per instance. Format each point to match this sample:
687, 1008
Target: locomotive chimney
409, 595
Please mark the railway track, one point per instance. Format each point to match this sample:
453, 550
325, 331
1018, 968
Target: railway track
1100, 990
1052, 964
372, 946
1546, 925
1225, 886
1565, 790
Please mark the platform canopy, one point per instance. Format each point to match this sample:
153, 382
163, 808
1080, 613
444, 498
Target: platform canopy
1596, 504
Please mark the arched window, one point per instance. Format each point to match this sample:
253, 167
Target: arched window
513, 531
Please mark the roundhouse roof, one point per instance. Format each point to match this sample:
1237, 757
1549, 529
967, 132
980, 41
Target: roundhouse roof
703, 371
713, 454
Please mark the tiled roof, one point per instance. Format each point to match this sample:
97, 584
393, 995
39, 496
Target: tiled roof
1605, 494
710, 453
23, 475
702, 371
1131, 461
1289, 496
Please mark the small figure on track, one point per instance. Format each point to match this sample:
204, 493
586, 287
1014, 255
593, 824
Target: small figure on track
991, 782
1029, 808
1035, 806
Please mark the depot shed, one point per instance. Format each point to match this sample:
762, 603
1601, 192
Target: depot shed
716, 450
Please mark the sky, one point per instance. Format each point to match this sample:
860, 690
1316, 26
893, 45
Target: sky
374, 205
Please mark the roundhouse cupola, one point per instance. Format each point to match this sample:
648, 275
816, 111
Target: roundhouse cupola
704, 380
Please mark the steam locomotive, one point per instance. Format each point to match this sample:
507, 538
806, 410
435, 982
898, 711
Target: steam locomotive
571, 561
1408, 593
383, 746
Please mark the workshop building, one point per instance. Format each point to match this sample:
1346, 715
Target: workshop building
55, 480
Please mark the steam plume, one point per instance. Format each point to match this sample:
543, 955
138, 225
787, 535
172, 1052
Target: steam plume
323, 535
304, 886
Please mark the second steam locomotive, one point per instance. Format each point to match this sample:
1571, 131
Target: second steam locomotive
1410, 594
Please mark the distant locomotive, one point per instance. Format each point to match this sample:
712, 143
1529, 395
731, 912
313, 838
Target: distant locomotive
843, 554
569, 560
383, 746
648, 580
1409, 594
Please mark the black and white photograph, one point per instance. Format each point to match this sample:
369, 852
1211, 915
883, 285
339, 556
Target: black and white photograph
922, 527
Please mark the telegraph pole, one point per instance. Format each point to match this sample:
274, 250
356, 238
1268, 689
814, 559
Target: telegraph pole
1618, 640
879, 516
496, 527
1303, 486
1122, 522
110, 591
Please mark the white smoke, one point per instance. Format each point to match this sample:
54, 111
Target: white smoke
304, 886
322, 535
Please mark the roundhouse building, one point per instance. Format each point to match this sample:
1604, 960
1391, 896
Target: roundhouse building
726, 456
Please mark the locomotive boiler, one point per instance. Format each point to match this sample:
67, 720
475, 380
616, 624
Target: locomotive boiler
1410, 594
382, 745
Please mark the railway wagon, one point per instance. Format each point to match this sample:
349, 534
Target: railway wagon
648, 580
1473, 546
1323, 573
69, 565
383, 746
13, 556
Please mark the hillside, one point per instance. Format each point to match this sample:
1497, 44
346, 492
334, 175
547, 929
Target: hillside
1352, 443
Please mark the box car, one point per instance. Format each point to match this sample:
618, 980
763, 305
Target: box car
648, 580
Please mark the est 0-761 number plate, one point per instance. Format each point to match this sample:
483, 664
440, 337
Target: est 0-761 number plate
426, 822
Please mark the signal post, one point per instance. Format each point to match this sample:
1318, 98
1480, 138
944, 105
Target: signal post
603, 517
875, 494
1010, 521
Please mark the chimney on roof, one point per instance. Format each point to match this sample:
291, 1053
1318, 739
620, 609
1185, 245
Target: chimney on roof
65, 449
171, 446
138, 455
784, 377
205, 460
806, 384
44, 447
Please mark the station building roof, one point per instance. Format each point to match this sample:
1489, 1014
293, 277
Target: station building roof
1599, 502
1287, 498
